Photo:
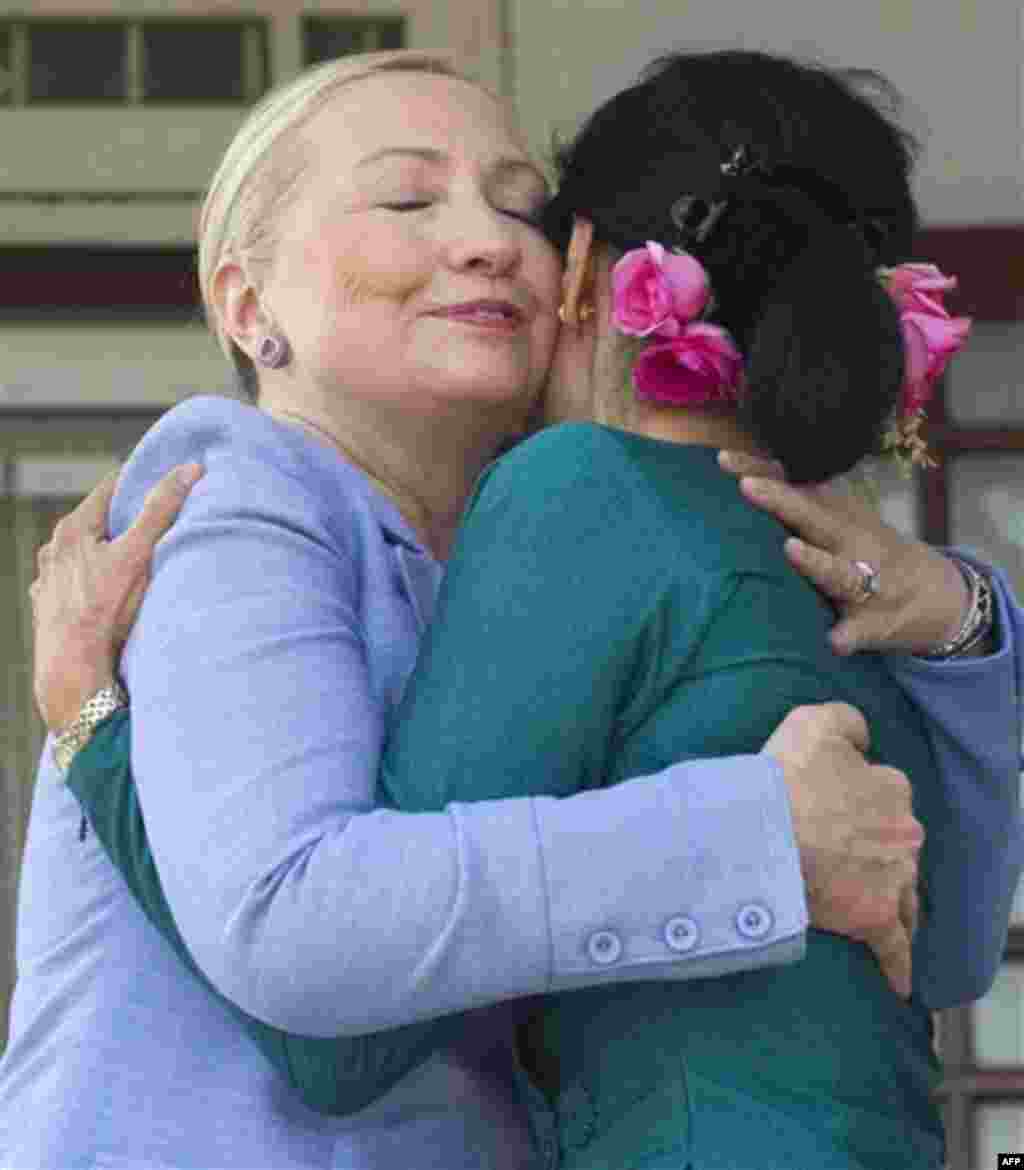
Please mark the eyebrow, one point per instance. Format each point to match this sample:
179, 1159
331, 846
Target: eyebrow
504, 165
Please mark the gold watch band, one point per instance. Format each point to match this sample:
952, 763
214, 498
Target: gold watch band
78, 733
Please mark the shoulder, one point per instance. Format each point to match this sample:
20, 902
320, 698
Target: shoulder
253, 465
582, 460
566, 508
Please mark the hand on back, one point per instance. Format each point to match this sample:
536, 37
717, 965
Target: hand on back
88, 590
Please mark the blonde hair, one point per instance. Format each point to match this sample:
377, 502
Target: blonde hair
263, 167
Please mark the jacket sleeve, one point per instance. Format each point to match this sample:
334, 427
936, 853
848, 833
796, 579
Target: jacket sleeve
974, 708
332, 1075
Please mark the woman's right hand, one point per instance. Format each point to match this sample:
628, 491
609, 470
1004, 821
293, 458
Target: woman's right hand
88, 590
923, 598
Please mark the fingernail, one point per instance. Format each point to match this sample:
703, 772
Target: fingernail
841, 645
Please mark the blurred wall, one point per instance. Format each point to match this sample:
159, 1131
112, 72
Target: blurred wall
958, 62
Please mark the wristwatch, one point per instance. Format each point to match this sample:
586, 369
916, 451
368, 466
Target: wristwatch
78, 733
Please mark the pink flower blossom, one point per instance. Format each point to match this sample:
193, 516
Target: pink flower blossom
699, 367
929, 341
657, 292
918, 287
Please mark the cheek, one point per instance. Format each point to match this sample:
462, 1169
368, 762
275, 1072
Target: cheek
545, 338
548, 271
365, 270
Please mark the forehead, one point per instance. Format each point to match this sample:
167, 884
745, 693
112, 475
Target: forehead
419, 110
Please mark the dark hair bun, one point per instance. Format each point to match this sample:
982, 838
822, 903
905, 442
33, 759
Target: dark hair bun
824, 361
792, 259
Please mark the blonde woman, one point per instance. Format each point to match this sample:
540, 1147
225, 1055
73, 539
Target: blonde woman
370, 258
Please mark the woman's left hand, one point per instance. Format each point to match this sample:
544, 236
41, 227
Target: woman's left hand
921, 595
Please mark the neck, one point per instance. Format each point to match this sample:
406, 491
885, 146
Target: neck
426, 465
706, 428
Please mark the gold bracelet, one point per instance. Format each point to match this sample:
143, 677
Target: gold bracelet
78, 733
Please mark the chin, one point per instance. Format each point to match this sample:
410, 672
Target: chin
515, 389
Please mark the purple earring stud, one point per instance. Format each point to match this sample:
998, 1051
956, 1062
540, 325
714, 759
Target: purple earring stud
273, 352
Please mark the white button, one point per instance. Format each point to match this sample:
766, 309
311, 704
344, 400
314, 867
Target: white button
681, 933
754, 920
604, 947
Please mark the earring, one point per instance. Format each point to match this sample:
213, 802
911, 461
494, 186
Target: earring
273, 352
567, 317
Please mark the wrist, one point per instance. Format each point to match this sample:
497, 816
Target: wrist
957, 586
97, 708
61, 699
975, 629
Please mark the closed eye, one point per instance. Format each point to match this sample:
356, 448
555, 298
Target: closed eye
530, 218
407, 205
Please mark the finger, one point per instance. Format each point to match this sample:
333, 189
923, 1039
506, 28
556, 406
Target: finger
159, 511
847, 637
91, 513
838, 577
892, 949
909, 909
848, 722
741, 463
796, 508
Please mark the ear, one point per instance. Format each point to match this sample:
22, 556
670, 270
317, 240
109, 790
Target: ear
237, 305
578, 281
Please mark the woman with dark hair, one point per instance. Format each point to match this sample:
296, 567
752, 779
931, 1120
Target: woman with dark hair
733, 225
620, 605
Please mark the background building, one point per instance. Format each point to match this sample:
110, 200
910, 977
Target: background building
112, 115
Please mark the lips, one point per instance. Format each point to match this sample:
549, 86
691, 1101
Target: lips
488, 313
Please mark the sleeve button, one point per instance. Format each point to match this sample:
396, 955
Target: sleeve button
754, 920
681, 933
604, 947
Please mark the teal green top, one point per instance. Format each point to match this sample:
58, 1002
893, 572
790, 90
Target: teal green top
612, 606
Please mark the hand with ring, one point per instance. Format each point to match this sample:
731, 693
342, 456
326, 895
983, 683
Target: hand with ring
870, 586
892, 593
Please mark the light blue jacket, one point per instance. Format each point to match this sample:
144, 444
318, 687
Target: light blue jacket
282, 623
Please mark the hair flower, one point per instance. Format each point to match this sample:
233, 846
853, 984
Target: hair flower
918, 286
659, 295
930, 338
699, 367
657, 292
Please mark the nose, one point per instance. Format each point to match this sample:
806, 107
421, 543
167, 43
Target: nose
484, 241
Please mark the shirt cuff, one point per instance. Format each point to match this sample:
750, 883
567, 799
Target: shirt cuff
690, 873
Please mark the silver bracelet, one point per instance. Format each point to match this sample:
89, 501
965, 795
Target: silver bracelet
78, 733
979, 620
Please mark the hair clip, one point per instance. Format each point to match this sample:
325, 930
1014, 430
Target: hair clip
694, 216
740, 162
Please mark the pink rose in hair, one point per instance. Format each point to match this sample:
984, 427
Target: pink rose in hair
918, 287
699, 367
657, 292
929, 341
